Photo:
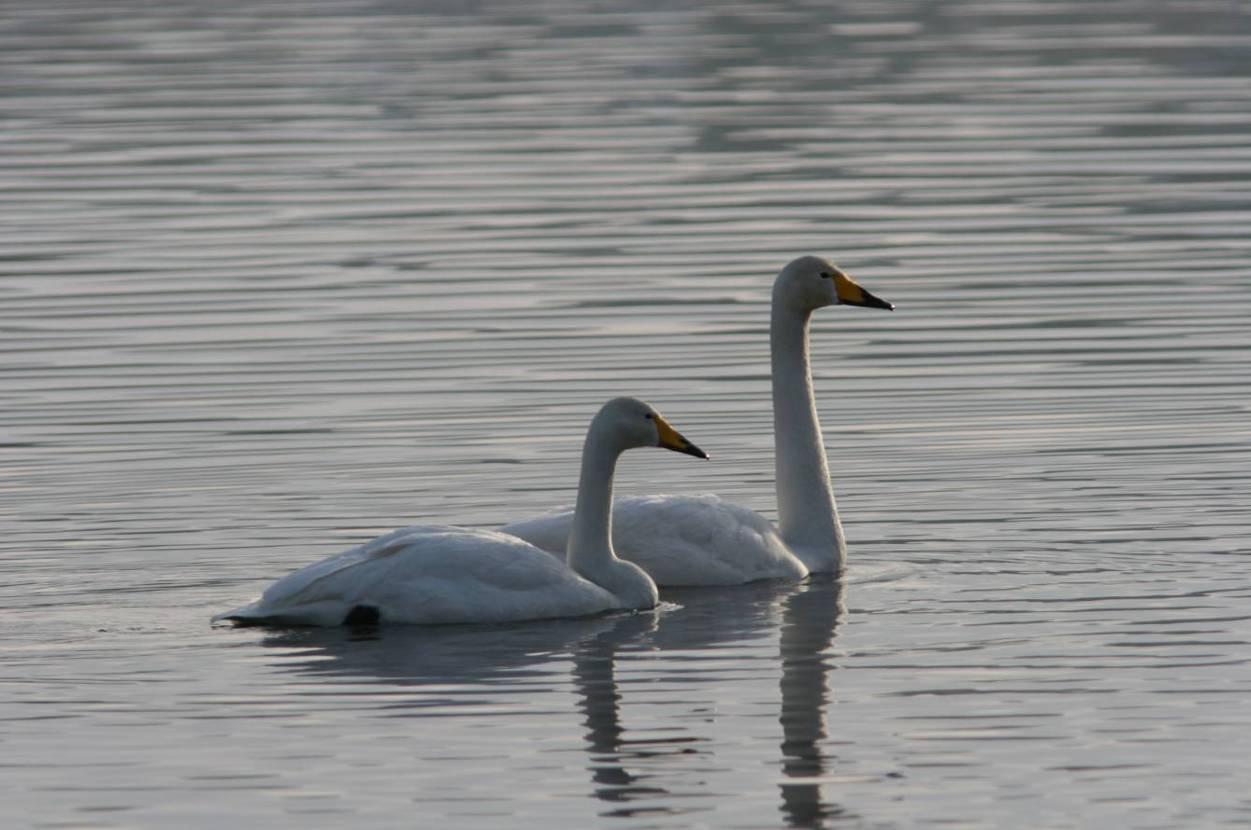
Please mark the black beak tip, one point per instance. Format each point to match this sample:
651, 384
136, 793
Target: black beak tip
691, 449
874, 301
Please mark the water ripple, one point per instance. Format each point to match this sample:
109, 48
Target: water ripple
280, 276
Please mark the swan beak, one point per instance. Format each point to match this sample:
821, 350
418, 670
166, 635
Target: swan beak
671, 439
849, 293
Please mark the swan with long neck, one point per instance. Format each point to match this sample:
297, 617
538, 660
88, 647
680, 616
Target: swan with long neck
444, 574
704, 540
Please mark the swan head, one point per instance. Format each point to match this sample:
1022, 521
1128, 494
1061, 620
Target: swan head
810, 282
635, 423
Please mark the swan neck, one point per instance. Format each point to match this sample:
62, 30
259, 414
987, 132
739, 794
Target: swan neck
807, 515
590, 541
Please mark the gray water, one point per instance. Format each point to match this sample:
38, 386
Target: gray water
276, 277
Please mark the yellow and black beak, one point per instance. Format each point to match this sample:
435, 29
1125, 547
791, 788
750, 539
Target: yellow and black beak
849, 293
671, 439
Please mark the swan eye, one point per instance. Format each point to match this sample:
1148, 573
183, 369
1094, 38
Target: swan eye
649, 416
826, 275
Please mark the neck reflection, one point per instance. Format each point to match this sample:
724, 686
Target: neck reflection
810, 618
594, 676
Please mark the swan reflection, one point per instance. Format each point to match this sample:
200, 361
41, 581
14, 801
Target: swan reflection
599, 699
810, 619
631, 771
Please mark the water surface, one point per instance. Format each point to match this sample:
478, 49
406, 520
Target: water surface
279, 276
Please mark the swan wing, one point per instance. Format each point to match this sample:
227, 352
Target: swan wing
682, 540
550, 531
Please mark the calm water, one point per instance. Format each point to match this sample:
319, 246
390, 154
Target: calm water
279, 276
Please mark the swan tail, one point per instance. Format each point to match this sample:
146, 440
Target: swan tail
324, 614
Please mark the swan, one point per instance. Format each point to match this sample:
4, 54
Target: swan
444, 574
704, 540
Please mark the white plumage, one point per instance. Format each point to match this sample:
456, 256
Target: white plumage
682, 540
704, 540
431, 574
444, 574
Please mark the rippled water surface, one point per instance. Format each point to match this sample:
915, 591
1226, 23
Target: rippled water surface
278, 276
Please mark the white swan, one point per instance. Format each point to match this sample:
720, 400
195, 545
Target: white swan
703, 540
432, 574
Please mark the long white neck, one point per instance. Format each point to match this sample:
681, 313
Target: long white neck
590, 540
590, 551
808, 517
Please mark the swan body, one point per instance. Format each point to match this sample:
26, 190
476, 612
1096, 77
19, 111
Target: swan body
704, 540
431, 574
443, 574
683, 540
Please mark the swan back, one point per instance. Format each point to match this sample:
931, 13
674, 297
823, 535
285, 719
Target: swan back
431, 575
